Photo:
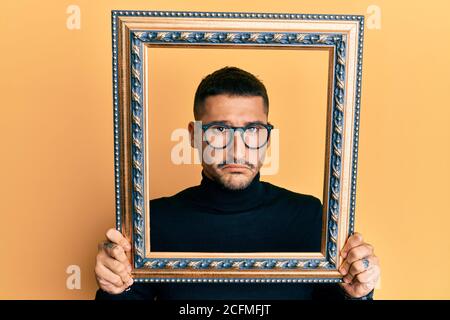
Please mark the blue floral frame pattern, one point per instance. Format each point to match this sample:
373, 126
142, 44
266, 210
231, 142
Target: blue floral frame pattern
137, 39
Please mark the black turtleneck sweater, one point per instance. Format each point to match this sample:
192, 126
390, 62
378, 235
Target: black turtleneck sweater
210, 218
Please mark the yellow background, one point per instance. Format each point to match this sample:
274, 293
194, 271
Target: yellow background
298, 110
57, 190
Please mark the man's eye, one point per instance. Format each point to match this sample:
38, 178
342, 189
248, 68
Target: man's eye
219, 128
252, 129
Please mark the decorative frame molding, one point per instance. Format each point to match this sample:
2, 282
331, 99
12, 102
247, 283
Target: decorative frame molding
133, 32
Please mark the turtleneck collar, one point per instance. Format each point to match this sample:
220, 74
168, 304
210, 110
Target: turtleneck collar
211, 194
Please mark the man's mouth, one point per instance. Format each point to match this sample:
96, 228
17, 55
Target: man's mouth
234, 167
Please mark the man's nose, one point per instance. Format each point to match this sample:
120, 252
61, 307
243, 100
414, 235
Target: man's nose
238, 145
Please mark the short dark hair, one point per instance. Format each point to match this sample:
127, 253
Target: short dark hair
232, 81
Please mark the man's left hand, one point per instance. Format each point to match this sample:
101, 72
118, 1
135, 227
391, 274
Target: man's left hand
360, 267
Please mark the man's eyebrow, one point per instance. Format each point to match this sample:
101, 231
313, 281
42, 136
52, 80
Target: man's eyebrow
219, 122
254, 122
229, 123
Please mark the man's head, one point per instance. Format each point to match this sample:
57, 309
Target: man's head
236, 98
229, 81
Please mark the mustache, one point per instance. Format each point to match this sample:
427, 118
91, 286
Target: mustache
238, 161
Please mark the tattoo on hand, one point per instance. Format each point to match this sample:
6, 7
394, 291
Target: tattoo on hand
365, 263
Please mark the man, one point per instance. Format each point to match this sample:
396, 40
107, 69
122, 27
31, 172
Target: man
232, 210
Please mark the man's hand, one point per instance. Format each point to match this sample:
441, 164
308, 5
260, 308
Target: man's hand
360, 267
113, 269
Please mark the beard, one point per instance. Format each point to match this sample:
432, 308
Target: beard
234, 180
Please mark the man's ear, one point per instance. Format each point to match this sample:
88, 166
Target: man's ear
191, 133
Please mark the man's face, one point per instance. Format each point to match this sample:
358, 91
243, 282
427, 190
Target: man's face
236, 165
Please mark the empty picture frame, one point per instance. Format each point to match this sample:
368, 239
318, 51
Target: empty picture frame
133, 34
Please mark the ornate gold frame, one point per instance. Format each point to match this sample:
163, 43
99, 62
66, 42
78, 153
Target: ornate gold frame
133, 32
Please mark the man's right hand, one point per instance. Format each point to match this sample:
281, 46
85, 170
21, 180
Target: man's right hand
112, 268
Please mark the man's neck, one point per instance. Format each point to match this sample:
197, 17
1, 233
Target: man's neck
213, 194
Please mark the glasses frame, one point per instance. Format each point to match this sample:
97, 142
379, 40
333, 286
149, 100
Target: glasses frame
268, 126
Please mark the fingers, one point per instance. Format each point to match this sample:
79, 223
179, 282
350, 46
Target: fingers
113, 268
115, 236
115, 251
354, 254
116, 267
360, 266
353, 241
359, 290
109, 287
368, 277
363, 265
106, 274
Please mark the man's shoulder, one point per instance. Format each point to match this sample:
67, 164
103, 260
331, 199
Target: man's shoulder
292, 196
167, 200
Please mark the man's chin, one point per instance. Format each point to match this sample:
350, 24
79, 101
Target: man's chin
235, 180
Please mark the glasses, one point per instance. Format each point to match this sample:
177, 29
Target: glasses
220, 135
